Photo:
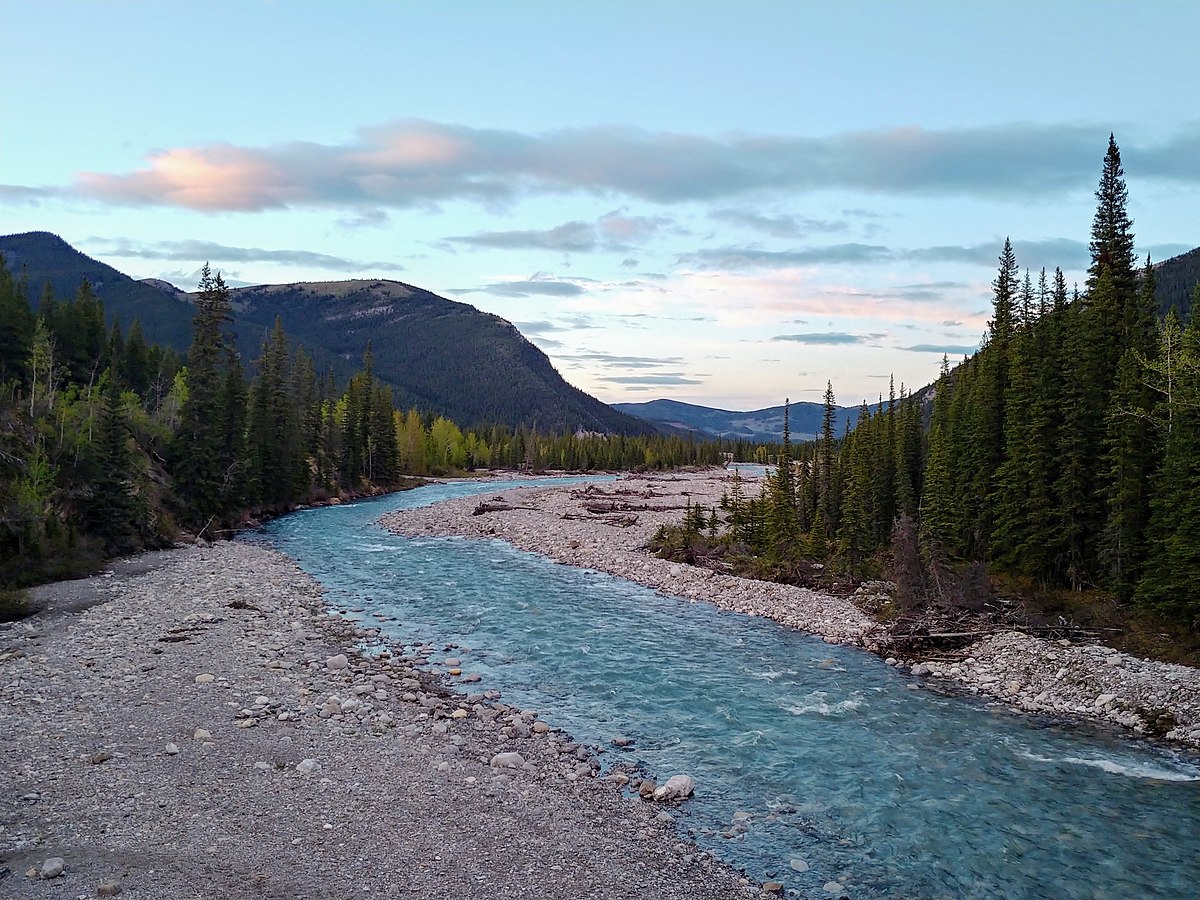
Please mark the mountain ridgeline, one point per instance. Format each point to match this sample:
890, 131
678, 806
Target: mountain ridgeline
758, 426
441, 355
435, 354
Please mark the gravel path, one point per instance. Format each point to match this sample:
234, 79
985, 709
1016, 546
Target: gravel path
607, 526
197, 725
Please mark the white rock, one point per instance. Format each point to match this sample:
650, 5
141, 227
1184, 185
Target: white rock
201, 734
172, 749
798, 865
511, 760
337, 663
922, 669
206, 678
677, 787
308, 766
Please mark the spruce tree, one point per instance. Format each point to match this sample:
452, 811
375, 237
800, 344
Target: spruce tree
16, 328
198, 449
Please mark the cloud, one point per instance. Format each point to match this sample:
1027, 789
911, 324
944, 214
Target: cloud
650, 380
412, 162
367, 218
221, 254
576, 237
822, 337
21, 195
1064, 252
753, 257
943, 349
782, 226
612, 361
613, 231
540, 287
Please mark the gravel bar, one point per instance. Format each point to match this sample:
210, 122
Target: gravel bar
198, 724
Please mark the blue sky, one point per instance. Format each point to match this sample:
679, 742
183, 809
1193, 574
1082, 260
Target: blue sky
725, 203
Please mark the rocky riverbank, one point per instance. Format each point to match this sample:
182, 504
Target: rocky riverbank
198, 724
607, 526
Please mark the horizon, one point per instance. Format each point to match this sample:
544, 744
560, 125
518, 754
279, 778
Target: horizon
725, 208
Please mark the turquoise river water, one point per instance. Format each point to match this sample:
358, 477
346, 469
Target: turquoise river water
839, 767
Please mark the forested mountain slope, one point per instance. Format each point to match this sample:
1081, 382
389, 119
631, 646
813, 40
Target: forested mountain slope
1175, 279
437, 354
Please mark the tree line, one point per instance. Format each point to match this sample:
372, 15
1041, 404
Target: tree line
1064, 454
109, 444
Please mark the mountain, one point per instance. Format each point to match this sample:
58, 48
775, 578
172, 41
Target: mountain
757, 426
437, 354
1174, 281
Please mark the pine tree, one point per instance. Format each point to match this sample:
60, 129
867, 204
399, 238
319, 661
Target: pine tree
16, 328
199, 445
109, 510
1172, 570
1112, 230
782, 524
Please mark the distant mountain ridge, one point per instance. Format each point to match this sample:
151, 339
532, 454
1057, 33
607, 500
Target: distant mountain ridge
437, 354
756, 426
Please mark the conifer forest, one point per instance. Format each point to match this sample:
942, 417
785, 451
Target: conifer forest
1062, 456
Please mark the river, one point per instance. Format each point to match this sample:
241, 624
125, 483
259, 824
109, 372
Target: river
816, 765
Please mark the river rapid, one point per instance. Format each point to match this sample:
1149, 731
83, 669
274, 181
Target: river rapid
816, 765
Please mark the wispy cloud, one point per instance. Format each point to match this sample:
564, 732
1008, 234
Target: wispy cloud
782, 226
222, 254
943, 349
650, 380
613, 231
417, 163
614, 361
532, 287
1064, 252
822, 337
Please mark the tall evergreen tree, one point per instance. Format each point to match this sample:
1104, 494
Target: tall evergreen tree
198, 449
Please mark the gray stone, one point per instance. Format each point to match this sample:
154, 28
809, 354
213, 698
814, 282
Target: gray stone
922, 669
308, 766
677, 787
108, 888
53, 867
511, 760
337, 663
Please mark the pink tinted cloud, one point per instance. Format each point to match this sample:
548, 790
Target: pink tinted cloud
219, 177
413, 162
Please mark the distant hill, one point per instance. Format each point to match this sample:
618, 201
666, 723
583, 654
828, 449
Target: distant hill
1174, 281
758, 426
437, 354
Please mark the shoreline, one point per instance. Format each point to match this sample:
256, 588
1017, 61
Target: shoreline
204, 722
1061, 679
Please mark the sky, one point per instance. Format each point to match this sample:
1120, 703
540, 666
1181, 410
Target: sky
724, 203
